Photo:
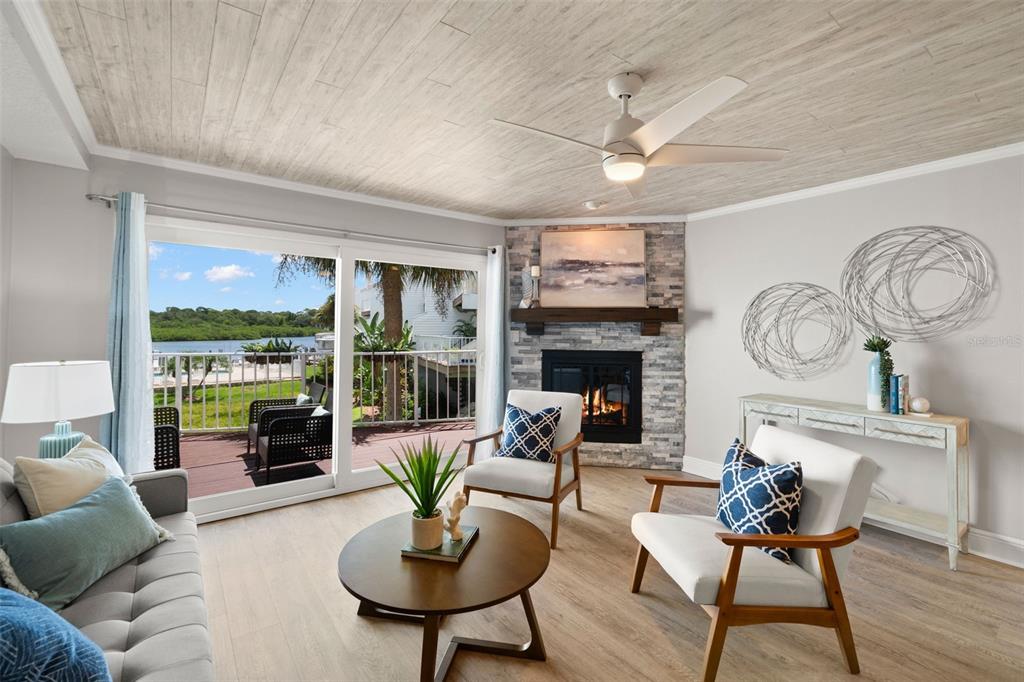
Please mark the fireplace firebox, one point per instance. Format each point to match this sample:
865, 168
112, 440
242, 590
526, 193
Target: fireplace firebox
611, 386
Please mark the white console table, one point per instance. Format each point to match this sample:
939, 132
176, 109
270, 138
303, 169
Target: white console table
949, 434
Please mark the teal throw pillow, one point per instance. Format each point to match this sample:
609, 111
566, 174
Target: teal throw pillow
56, 557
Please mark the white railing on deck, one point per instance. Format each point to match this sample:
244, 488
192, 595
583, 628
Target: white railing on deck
439, 342
213, 391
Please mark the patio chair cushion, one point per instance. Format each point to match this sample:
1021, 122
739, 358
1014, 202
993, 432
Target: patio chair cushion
148, 615
686, 547
254, 431
519, 476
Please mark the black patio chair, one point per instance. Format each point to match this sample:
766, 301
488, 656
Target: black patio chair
291, 439
257, 407
166, 438
316, 391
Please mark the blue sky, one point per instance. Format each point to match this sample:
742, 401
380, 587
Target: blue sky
185, 276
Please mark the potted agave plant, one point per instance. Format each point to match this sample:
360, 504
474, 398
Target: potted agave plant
426, 487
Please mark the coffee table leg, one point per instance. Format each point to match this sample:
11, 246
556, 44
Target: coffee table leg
428, 657
534, 649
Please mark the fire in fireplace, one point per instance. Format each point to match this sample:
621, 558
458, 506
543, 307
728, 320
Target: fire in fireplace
610, 383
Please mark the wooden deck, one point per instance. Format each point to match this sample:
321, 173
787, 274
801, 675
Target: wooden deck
217, 463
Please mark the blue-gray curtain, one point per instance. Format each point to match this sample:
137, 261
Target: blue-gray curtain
128, 431
495, 365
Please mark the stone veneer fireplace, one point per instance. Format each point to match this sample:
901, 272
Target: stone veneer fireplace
655, 384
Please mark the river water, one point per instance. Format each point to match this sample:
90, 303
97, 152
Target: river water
227, 346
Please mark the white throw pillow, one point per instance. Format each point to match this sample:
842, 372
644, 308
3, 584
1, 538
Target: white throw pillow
319, 411
303, 399
49, 485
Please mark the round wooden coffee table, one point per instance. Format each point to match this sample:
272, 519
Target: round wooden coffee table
505, 560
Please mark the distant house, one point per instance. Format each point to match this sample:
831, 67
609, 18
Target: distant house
431, 330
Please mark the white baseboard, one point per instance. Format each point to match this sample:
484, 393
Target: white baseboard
983, 543
1001, 548
702, 467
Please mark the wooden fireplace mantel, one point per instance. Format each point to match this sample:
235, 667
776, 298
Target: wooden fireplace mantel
650, 318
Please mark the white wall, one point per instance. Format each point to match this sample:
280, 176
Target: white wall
733, 257
61, 249
6, 205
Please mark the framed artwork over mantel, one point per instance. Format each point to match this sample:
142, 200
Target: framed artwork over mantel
593, 269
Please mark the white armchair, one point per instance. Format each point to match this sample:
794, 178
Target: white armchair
748, 588
529, 479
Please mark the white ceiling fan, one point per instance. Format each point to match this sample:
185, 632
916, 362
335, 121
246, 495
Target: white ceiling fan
631, 146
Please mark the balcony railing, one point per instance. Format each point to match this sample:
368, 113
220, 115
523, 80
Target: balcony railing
212, 391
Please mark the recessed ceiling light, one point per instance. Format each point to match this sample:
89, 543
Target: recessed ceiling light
594, 204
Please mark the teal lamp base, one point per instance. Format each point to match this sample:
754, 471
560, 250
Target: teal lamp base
58, 443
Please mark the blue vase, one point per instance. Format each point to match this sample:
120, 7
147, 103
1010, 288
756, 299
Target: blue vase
874, 394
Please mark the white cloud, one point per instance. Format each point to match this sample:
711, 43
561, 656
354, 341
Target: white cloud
226, 273
225, 290
276, 258
155, 250
279, 301
182, 276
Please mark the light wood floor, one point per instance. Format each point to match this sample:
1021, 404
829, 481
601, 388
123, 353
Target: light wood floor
278, 612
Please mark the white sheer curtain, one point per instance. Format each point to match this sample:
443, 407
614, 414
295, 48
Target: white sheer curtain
494, 367
128, 431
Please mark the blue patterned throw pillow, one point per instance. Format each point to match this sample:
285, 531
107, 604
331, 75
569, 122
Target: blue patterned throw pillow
760, 498
37, 644
529, 436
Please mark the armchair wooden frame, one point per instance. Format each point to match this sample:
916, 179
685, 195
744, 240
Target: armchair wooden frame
724, 613
559, 493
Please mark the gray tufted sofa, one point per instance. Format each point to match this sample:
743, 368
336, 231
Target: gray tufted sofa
148, 615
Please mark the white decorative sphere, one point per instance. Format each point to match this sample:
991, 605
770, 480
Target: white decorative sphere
919, 404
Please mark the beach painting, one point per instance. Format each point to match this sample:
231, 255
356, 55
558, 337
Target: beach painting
593, 269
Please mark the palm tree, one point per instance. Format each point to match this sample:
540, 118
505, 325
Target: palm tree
391, 280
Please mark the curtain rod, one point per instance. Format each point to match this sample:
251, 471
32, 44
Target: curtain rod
111, 200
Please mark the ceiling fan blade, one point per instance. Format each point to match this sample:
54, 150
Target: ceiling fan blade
690, 154
648, 137
637, 188
516, 126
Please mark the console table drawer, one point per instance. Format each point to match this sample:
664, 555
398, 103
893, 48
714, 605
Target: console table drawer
832, 421
915, 434
782, 414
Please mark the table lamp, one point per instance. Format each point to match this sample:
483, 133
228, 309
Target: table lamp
57, 392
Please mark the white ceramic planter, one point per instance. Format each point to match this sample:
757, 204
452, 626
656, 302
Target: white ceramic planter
428, 533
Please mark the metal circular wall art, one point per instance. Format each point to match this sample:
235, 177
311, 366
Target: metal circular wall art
880, 277
772, 324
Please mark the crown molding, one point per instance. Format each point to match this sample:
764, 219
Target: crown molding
279, 183
973, 158
598, 220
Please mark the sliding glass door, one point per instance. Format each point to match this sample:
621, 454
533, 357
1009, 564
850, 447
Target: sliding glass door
412, 353
384, 342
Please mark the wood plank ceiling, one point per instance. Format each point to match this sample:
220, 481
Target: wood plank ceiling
393, 98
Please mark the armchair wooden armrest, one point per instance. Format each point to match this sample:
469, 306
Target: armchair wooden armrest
827, 541
681, 479
472, 442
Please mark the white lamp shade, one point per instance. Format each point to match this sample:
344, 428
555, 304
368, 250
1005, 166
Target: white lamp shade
52, 391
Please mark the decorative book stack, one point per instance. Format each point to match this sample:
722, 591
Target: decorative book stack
899, 394
450, 550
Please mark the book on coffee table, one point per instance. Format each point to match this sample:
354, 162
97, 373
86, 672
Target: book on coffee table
450, 550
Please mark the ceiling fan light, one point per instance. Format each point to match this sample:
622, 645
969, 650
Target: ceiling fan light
624, 167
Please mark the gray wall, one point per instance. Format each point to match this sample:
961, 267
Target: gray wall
61, 250
6, 206
977, 373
